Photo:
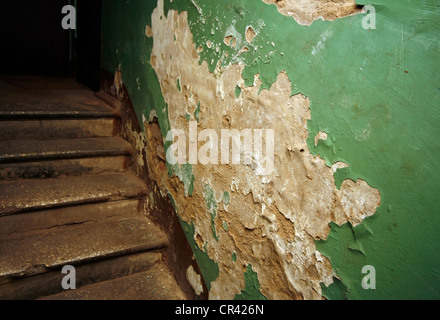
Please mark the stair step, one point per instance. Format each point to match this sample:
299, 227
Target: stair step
59, 217
68, 197
36, 252
26, 83
60, 168
49, 283
28, 150
37, 194
55, 110
158, 283
58, 129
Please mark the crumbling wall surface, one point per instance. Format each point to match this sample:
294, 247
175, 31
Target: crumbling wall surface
354, 180
272, 220
306, 11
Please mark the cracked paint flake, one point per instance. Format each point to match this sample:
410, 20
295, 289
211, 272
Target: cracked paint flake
320, 136
273, 221
195, 280
307, 11
250, 34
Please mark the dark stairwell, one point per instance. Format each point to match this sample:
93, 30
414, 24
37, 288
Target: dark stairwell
69, 196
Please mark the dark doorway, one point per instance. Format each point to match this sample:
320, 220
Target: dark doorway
88, 42
34, 41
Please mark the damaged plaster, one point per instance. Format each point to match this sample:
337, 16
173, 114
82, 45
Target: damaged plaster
195, 280
306, 11
372, 92
272, 221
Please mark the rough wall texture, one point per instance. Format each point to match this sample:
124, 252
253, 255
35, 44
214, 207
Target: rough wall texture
354, 175
157, 205
306, 11
273, 219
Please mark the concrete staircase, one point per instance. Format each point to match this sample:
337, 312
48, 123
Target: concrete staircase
68, 197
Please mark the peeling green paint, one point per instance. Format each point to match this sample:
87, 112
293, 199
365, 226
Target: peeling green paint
237, 91
374, 92
197, 112
208, 267
337, 291
366, 89
211, 205
226, 198
185, 174
251, 289
130, 48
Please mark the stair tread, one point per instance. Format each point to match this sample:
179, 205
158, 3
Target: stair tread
26, 150
67, 198
44, 169
31, 253
48, 129
54, 109
49, 283
157, 283
58, 217
36, 194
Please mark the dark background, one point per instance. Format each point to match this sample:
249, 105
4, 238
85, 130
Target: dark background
34, 42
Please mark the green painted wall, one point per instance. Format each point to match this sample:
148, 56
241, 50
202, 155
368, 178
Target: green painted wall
126, 45
376, 93
251, 290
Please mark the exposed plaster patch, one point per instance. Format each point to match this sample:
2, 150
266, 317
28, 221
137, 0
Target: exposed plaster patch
152, 116
320, 136
357, 201
236, 36
250, 34
272, 221
339, 165
227, 40
195, 280
148, 31
118, 83
139, 140
307, 11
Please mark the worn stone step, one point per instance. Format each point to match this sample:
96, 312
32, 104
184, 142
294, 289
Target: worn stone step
37, 252
49, 283
38, 194
46, 109
63, 167
29, 150
59, 217
41, 90
157, 283
58, 129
